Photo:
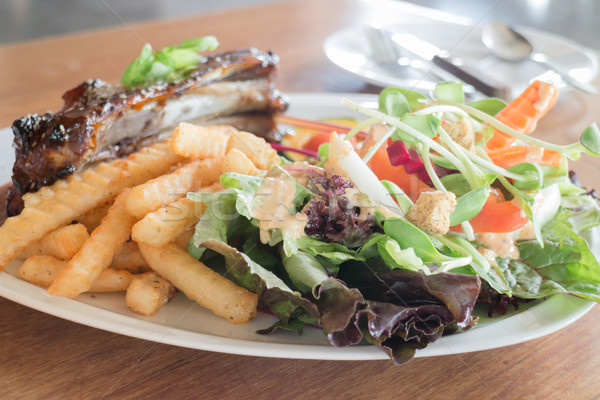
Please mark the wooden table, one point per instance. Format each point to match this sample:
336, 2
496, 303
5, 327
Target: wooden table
46, 357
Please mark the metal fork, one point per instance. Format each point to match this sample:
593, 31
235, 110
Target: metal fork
387, 55
383, 51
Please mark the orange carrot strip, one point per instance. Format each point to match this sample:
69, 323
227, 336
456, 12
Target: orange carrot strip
316, 125
506, 157
523, 113
552, 158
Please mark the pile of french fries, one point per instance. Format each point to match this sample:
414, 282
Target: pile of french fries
123, 225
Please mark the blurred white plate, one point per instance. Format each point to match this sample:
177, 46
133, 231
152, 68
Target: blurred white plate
349, 50
184, 323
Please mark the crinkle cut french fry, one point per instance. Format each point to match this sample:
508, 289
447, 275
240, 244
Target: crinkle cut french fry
97, 253
31, 198
167, 223
211, 172
111, 280
183, 239
62, 243
42, 270
256, 148
165, 189
200, 283
91, 188
236, 161
197, 141
148, 292
130, 259
148, 163
93, 218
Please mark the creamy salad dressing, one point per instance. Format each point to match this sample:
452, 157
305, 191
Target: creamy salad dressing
358, 199
527, 232
274, 208
388, 213
500, 244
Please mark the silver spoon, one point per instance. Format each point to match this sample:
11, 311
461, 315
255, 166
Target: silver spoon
509, 45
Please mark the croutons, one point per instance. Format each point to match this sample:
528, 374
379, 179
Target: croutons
462, 133
431, 212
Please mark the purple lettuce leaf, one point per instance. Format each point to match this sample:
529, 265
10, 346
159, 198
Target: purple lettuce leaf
498, 302
338, 306
331, 215
400, 331
457, 292
398, 325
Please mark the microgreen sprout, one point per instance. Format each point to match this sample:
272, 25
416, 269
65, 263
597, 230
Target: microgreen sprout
360, 126
589, 141
367, 157
407, 128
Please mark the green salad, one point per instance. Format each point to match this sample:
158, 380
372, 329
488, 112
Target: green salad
391, 232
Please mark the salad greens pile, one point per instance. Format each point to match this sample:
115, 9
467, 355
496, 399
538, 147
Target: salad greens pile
329, 244
169, 64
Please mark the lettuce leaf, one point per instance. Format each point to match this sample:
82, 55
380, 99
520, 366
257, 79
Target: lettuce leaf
564, 265
395, 257
335, 253
408, 236
339, 306
402, 311
214, 223
457, 292
245, 187
274, 294
305, 272
347, 317
480, 266
400, 330
582, 212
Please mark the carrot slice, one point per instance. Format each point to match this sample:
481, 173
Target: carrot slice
337, 125
523, 113
508, 156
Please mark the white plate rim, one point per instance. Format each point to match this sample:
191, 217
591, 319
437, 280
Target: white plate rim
542, 319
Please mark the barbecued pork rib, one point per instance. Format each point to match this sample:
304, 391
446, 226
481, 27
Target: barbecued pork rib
100, 121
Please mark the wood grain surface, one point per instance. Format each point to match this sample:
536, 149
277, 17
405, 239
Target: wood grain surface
44, 357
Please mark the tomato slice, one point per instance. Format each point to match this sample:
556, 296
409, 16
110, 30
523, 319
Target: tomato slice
316, 140
382, 167
498, 216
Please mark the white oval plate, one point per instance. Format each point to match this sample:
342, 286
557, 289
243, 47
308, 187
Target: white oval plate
183, 323
349, 50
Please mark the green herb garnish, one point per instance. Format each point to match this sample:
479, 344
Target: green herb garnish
170, 64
